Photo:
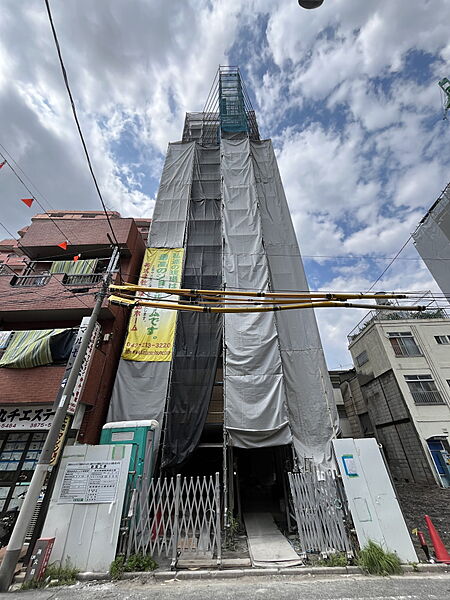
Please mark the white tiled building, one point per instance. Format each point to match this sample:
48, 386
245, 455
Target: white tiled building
403, 368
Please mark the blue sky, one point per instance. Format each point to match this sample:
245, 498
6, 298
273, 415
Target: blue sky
347, 92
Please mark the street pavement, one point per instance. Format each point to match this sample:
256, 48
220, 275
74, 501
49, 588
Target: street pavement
344, 587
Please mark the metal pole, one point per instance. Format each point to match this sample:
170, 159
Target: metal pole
218, 520
17, 539
176, 524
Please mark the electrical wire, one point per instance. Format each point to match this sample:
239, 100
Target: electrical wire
5, 150
8, 232
74, 112
34, 197
390, 264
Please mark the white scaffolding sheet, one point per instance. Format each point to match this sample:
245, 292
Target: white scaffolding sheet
255, 401
311, 407
432, 241
140, 388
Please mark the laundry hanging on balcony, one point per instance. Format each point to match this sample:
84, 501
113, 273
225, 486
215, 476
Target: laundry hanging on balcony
27, 349
71, 267
4, 339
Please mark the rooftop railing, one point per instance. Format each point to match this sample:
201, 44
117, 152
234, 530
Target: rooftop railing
434, 311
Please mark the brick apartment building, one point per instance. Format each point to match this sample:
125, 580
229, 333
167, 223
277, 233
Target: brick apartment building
44, 295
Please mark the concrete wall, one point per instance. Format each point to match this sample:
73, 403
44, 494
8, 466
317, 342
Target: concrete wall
395, 430
344, 422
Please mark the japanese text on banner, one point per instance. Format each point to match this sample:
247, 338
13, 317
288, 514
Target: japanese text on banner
151, 331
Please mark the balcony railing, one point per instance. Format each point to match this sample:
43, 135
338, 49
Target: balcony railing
83, 279
29, 280
6, 270
427, 397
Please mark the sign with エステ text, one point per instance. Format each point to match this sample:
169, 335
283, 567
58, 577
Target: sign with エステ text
25, 417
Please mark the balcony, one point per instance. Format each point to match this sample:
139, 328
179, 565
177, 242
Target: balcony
50, 297
83, 279
93, 238
29, 280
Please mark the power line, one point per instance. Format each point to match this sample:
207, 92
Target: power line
8, 231
32, 184
34, 197
390, 264
74, 111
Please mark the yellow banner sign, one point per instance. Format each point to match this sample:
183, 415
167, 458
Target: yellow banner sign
151, 331
60, 440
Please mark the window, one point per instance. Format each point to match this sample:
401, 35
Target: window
403, 343
423, 389
442, 339
366, 424
361, 359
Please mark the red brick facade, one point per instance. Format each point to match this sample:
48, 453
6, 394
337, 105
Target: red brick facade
55, 305
30, 386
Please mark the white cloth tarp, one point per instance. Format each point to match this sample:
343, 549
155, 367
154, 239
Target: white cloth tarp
139, 391
140, 388
169, 216
255, 401
312, 411
432, 240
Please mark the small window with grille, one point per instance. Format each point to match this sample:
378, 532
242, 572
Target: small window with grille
403, 343
442, 339
423, 389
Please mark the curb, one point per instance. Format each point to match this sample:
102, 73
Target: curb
254, 572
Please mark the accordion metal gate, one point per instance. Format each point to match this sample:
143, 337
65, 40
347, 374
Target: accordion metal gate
177, 517
319, 512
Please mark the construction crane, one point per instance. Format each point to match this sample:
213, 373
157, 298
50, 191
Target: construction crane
444, 84
310, 3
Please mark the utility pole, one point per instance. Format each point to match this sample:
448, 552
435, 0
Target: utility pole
43, 466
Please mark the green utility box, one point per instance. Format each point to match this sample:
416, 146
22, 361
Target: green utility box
142, 435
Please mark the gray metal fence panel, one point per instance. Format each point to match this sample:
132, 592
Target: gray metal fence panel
176, 517
318, 512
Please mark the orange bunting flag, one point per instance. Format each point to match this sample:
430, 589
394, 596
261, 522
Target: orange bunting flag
2, 164
63, 245
75, 258
28, 201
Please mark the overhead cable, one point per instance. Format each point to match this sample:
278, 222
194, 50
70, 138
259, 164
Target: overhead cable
74, 111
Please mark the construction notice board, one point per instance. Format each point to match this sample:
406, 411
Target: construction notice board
85, 511
90, 482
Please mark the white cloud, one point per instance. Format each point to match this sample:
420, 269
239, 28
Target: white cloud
361, 144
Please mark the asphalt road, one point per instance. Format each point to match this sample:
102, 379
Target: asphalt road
345, 587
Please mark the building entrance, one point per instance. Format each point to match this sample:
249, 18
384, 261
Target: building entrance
261, 485
441, 457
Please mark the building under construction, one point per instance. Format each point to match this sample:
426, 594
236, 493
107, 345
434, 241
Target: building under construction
432, 241
243, 394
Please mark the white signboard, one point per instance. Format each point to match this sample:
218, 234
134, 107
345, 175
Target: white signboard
90, 482
372, 501
26, 417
